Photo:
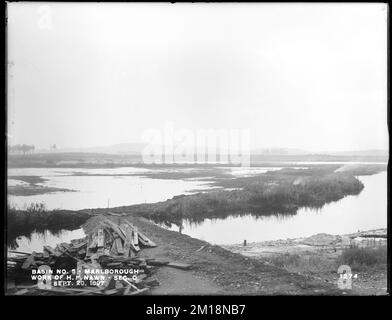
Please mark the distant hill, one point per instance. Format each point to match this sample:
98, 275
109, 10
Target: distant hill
121, 148
371, 152
300, 152
136, 149
280, 151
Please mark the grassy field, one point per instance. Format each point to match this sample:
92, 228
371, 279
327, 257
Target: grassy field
364, 259
314, 263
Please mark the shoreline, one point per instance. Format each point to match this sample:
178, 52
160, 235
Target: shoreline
216, 270
320, 255
316, 242
219, 270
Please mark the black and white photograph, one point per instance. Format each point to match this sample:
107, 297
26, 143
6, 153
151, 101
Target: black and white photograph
196, 149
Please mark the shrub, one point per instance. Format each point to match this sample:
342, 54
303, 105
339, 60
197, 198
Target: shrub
304, 263
362, 258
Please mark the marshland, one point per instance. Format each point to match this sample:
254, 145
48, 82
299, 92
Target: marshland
204, 201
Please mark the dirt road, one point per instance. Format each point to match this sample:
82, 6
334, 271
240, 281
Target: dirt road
217, 270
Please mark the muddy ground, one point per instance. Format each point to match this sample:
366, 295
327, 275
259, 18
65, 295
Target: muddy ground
318, 256
218, 271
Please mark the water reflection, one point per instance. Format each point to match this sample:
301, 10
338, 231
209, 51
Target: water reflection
101, 186
368, 210
37, 240
365, 211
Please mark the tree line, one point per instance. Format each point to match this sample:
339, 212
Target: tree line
21, 149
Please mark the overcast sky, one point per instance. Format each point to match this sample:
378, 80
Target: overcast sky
301, 76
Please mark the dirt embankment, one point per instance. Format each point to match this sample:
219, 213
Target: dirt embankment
320, 255
219, 271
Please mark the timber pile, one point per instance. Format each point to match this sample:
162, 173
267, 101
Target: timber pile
107, 245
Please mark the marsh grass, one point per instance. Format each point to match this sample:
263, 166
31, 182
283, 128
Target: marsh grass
36, 218
309, 263
277, 192
362, 260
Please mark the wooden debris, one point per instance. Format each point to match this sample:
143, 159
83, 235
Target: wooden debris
152, 283
18, 252
113, 249
50, 250
155, 262
201, 248
127, 242
107, 246
135, 237
145, 241
179, 265
119, 246
21, 292
137, 292
29, 261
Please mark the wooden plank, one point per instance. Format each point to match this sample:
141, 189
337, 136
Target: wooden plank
138, 292
49, 249
128, 222
134, 247
27, 287
88, 252
110, 283
114, 264
127, 290
94, 242
83, 292
19, 252
108, 237
73, 291
66, 246
115, 228
21, 292
152, 283
131, 285
56, 290
179, 265
122, 230
130, 236
146, 241
135, 236
127, 245
28, 262
119, 246
100, 238
157, 262
113, 249
80, 244
115, 214
94, 261
113, 291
